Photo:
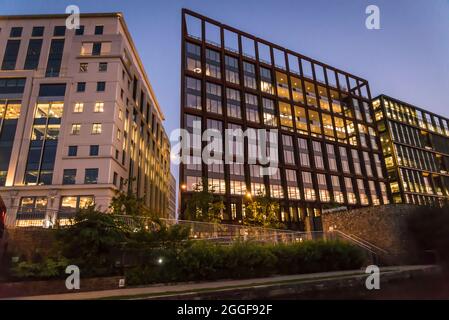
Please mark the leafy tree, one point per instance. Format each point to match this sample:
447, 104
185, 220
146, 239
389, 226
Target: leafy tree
127, 203
262, 211
204, 204
90, 241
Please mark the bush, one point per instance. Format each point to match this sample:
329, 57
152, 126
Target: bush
206, 261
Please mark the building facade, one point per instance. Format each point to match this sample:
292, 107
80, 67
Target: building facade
78, 118
172, 198
329, 151
415, 144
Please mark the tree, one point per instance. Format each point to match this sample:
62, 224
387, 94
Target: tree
204, 204
262, 211
128, 204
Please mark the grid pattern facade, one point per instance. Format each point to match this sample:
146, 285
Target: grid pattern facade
329, 151
415, 144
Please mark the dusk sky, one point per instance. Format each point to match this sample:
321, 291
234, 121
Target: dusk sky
407, 59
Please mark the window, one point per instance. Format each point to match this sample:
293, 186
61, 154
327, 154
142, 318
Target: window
76, 128
362, 192
193, 57
289, 155
59, 31
193, 93
232, 69
249, 71
282, 85
322, 186
79, 31
315, 123
344, 160
83, 67
10, 57
301, 120
16, 32
91, 176
336, 189
252, 109
115, 178
213, 64
44, 143
318, 155
266, 81
303, 152
356, 162
80, 87
103, 67
55, 58
69, 176
33, 54
269, 113
93, 150
101, 86
99, 107
79, 107
309, 191
99, 30
233, 103
73, 151
285, 111
331, 157
213, 98
96, 128
350, 191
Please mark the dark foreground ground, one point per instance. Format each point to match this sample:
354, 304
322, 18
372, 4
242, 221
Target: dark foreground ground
424, 288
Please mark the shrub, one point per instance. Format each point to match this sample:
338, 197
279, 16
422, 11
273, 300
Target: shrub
207, 261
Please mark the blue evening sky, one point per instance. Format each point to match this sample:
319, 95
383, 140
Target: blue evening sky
407, 59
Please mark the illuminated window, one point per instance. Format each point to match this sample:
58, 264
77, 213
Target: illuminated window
350, 191
193, 57
298, 95
324, 100
282, 85
79, 107
285, 111
269, 113
315, 123
301, 120
266, 81
322, 187
213, 64
76, 129
99, 107
310, 94
96, 128
338, 195
328, 127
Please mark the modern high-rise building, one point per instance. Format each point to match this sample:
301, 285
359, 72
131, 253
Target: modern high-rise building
78, 118
329, 152
415, 144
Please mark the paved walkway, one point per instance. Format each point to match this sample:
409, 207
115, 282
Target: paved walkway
166, 290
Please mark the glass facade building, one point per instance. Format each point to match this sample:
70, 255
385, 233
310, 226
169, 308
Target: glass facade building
329, 152
415, 145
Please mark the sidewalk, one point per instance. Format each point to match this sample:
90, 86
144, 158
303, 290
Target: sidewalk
161, 291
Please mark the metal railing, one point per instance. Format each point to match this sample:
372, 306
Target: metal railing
206, 231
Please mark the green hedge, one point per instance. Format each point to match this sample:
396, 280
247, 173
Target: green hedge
206, 261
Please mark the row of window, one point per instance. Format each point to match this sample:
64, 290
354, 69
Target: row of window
102, 67
81, 86
288, 87
58, 31
323, 191
267, 55
306, 149
90, 176
412, 116
96, 128
98, 107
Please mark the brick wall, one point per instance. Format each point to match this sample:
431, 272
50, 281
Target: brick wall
384, 226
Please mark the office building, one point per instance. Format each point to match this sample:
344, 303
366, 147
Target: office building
78, 119
329, 152
415, 144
